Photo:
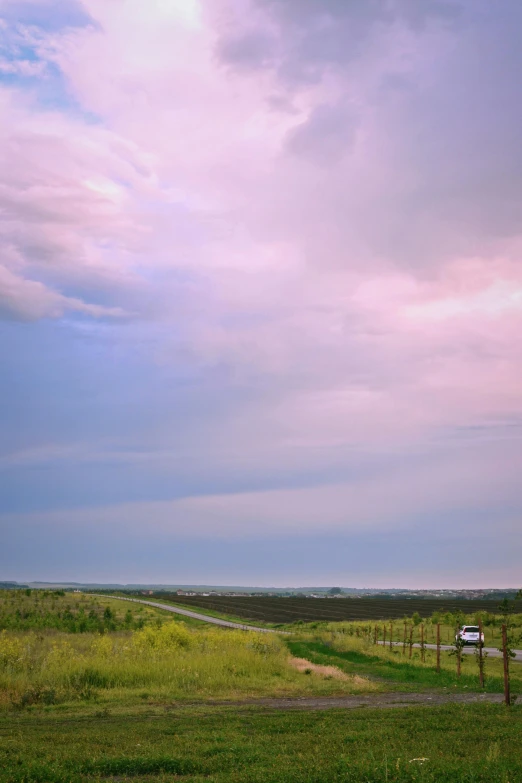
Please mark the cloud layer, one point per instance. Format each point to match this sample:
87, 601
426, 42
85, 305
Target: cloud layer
260, 272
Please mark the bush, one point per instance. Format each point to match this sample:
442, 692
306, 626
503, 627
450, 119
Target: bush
169, 636
12, 652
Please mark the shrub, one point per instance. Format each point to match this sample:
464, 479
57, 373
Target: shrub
169, 636
12, 652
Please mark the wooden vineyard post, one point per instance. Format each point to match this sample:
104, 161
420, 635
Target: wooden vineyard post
505, 656
404, 641
375, 635
384, 635
481, 657
411, 641
438, 647
423, 656
457, 652
391, 635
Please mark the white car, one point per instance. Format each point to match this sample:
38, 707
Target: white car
469, 634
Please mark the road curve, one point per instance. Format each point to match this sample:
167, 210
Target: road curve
492, 652
187, 613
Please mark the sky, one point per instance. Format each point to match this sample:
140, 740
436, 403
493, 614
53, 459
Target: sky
261, 292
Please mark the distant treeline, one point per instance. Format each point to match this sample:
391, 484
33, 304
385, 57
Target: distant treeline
12, 586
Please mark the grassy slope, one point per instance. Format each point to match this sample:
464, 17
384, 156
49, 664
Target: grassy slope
402, 674
461, 745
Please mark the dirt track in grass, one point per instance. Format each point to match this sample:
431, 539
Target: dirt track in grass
378, 700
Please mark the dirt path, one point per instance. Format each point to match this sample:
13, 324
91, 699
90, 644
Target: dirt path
377, 700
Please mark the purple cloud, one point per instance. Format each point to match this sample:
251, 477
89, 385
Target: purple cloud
298, 221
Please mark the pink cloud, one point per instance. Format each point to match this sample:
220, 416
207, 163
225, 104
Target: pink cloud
320, 256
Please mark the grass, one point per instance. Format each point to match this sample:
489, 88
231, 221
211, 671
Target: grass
167, 659
398, 672
42, 610
461, 744
341, 637
147, 705
166, 663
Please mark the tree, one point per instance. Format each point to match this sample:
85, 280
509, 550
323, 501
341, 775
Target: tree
457, 652
335, 591
507, 607
417, 619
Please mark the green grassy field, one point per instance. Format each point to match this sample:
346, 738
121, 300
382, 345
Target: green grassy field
42, 610
396, 671
353, 637
160, 699
166, 658
451, 743
156, 663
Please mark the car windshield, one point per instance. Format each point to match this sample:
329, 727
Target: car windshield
471, 629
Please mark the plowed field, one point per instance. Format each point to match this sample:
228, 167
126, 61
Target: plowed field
289, 610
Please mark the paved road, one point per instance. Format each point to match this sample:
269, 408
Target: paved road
492, 652
188, 613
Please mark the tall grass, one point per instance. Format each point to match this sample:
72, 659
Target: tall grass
170, 662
